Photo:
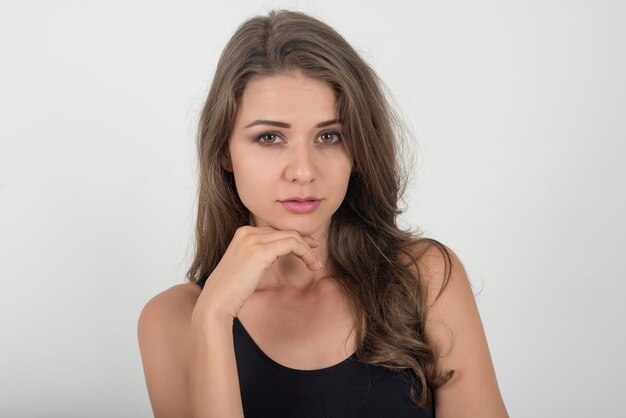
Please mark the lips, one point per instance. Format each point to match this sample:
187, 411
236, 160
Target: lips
301, 207
301, 199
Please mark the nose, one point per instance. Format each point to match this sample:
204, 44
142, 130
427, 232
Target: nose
300, 166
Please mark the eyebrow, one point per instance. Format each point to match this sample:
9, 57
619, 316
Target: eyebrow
286, 125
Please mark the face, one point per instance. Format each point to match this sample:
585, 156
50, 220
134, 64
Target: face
286, 143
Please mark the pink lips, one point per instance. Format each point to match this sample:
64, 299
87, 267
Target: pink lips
301, 207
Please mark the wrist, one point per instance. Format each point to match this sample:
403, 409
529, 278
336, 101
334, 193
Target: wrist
208, 325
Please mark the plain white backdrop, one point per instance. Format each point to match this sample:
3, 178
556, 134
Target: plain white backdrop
518, 110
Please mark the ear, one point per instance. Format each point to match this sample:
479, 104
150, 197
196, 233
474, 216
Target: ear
226, 162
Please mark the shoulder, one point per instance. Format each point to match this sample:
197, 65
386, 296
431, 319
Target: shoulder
447, 294
171, 300
454, 331
438, 267
164, 337
164, 311
168, 313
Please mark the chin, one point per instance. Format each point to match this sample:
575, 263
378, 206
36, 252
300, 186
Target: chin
303, 226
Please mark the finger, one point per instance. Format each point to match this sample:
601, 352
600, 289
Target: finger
290, 244
270, 234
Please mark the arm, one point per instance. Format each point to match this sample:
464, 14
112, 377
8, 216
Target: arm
188, 373
455, 332
214, 380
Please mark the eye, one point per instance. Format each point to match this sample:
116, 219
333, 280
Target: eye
270, 138
331, 133
261, 138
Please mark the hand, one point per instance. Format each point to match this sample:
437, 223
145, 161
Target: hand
251, 251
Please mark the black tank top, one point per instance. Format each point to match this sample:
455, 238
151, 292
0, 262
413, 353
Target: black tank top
350, 389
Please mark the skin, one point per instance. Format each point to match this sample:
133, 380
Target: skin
312, 336
302, 160
299, 165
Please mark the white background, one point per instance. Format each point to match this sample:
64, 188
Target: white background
518, 109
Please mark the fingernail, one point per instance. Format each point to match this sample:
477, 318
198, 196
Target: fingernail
319, 263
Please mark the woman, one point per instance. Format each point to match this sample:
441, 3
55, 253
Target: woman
305, 299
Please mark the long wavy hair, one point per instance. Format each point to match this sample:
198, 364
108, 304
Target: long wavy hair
372, 259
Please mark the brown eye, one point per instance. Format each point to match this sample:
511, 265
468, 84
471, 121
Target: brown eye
261, 138
330, 134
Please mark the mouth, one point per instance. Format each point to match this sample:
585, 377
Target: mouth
301, 206
301, 199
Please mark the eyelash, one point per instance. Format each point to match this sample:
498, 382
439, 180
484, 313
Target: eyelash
264, 134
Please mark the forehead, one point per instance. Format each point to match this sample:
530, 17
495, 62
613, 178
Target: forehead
286, 97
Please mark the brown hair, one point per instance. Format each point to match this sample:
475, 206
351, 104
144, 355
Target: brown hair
365, 245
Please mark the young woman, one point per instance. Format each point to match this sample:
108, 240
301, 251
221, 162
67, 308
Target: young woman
305, 298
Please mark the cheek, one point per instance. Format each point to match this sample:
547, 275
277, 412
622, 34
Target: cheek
342, 169
247, 165
338, 179
255, 182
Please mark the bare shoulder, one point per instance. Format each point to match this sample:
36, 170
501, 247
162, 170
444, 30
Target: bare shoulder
167, 312
454, 330
440, 269
163, 333
179, 296
436, 265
